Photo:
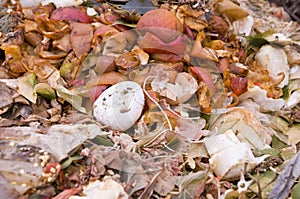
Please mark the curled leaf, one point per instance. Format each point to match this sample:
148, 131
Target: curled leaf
71, 97
105, 64
193, 18
15, 55
153, 44
55, 54
45, 90
161, 19
127, 61
230, 9
107, 79
51, 28
26, 87
71, 13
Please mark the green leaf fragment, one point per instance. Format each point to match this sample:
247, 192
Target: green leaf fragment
71, 97
66, 163
257, 41
121, 22
296, 191
277, 144
89, 62
65, 69
69, 161
26, 87
45, 90
100, 140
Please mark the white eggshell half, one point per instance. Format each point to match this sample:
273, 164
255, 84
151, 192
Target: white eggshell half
120, 106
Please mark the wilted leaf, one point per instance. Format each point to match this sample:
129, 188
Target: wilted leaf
5, 97
157, 22
205, 76
292, 131
286, 179
256, 41
71, 13
115, 45
15, 61
231, 10
266, 182
51, 28
26, 87
55, 54
296, 191
121, 22
165, 183
152, 43
100, 140
127, 61
45, 90
189, 183
69, 161
81, 38
195, 19
195, 150
150, 187
74, 99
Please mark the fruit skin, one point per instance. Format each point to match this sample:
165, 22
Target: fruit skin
161, 19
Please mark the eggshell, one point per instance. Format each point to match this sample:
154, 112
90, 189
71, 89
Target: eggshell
228, 155
120, 106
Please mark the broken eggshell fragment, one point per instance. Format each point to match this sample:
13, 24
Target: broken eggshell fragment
120, 106
229, 155
275, 61
183, 89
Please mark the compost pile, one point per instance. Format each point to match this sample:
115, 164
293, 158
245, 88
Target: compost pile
140, 99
